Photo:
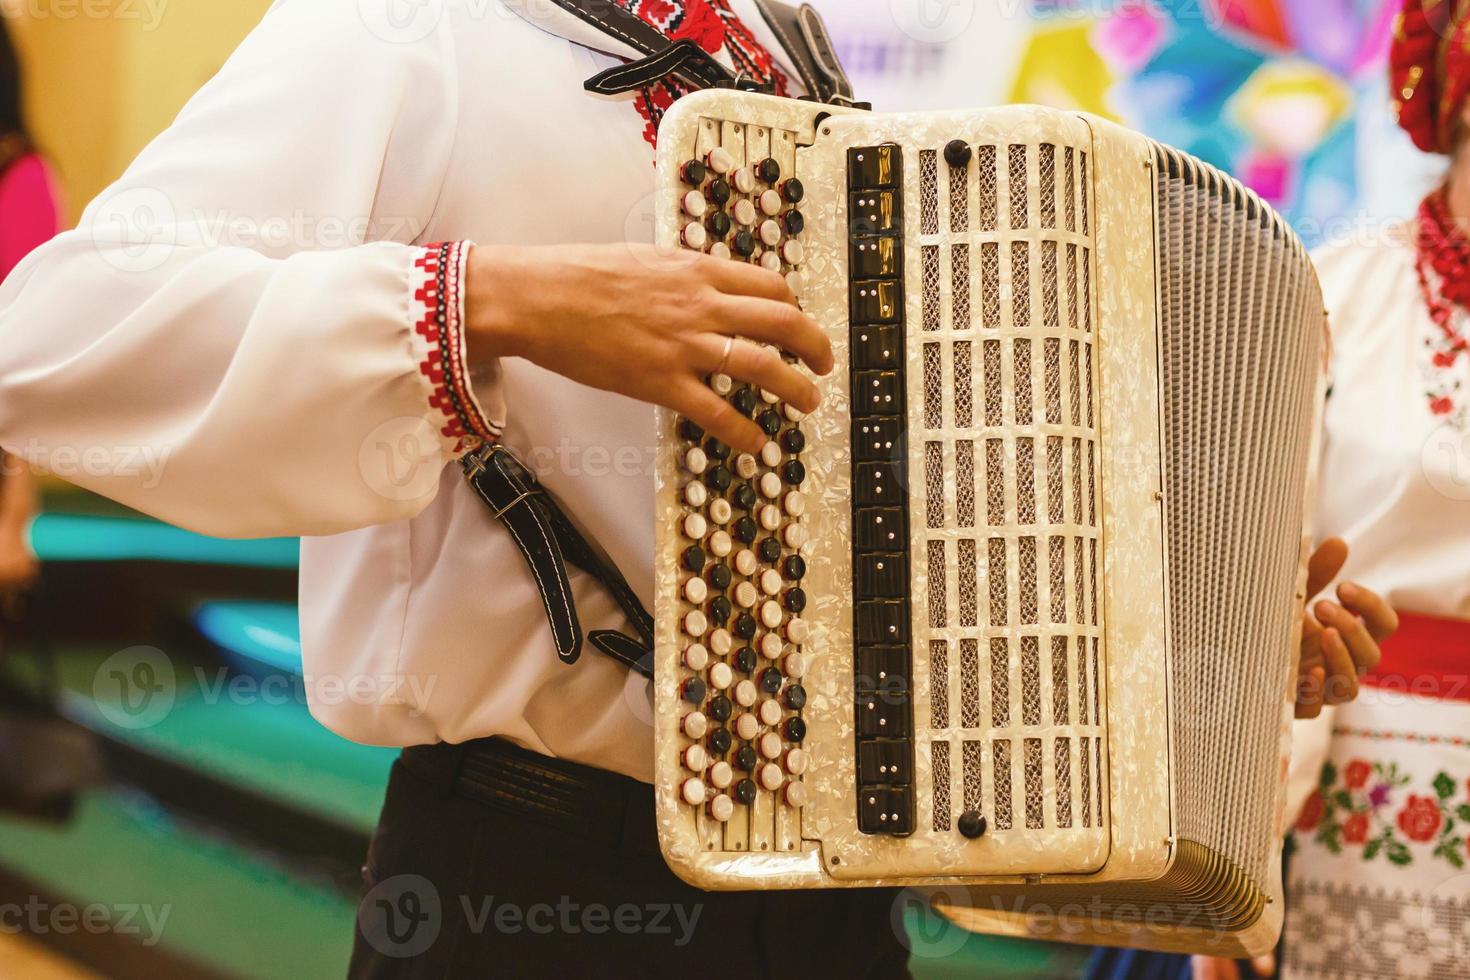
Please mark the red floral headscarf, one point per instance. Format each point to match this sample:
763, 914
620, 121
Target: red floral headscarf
1429, 67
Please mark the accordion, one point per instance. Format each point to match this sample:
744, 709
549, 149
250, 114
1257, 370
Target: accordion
1015, 614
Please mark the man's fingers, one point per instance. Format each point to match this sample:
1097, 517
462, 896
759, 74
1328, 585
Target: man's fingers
1264, 966
1309, 692
744, 279
1382, 621
759, 365
1354, 633
777, 324
1324, 565
695, 401
1341, 685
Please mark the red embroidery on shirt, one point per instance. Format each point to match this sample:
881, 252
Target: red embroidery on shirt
439, 297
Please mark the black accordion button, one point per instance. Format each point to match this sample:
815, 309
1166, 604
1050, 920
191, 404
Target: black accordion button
878, 438
972, 824
957, 154
693, 558
718, 479
879, 528
746, 759
792, 440
795, 600
881, 574
744, 401
883, 716
690, 430
880, 621
745, 792
693, 690
745, 530
715, 449
793, 190
771, 680
794, 568
743, 244
745, 660
769, 422
886, 810
876, 258
719, 741
719, 609
718, 224
882, 670
794, 730
745, 497
874, 212
719, 708
876, 302
769, 551
883, 762
875, 347
874, 166
794, 222
876, 483
795, 697
718, 191
694, 172
718, 577
793, 471
768, 170
745, 626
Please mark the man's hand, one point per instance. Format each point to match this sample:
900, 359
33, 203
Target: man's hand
639, 322
1339, 639
1217, 968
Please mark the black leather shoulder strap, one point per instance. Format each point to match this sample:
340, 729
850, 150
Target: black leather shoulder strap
608, 17
803, 34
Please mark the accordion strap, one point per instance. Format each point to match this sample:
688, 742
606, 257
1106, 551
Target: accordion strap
548, 539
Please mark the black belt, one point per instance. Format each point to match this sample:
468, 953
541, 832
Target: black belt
565, 797
548, 539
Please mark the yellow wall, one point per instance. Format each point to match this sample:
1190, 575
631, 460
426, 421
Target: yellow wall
103, 77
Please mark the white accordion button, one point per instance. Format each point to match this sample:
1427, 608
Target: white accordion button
770, 236
719, 250
721, 774
771, 615
769, 397
695, 236
771, 646
794, 665
745, 562
721, 383
771, 454
796, 762
770, 517
695, 624
695, 526
797, 630
771, 485
746, 466
747, 727
696, 658
721, 808
770, 712
692, 791
793, 252
744, 180
770, 745
695, 461
744, 212
745, 694
695, 205
696, 725
795, 503
771, 203
746, 595
771, 262
796, 282
695, 758
695, 494
719, 510
721, 676
770, 581
771, 777
794, 536
795, 794
721, 642
720, 542
793, 413
720, 160
696, 591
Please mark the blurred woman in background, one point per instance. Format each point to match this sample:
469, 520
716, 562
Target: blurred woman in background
29, 216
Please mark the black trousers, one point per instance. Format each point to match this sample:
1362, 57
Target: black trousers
491, 861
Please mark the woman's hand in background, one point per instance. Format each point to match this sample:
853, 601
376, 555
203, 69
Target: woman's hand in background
1339, 639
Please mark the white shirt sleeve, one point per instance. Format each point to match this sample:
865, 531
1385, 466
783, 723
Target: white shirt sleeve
242, 336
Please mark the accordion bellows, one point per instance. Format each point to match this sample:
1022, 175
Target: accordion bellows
1051, 527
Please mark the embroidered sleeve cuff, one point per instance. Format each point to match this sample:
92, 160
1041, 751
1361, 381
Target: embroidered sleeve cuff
465, 421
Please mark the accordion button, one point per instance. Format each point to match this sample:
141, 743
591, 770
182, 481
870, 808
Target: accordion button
745, 626
745, 662
793, 191
695, 494
692, 791
721, 808
719, 510
744, 496
695, 205
770, 745
690, 430
796, 282
693, 690
720, 708
714, 448
771, 454
695, 526
745, 792
796, 761
718, 192
720, 543
695, 623
771, 204
794, 568
794, 535
795, 600
745, 562
719, 160
769, 170
972, 824
718, 577
746, 595
793, 413
694, 172
771, 777
793, 222
771, 485
770, 581
695, 236
744, 180
795, 730
770, 423
746, 466
696, 758
695, 724
721, 642
770, 261
695, 461
794, 472
769, 549
770, 233
795, 795
771, 683
795, 697
793, 440
797, 631
718, 479
747, 726
770, 713
719, 250
793, 252
746, 758
719, 744
769, 397
744, 401
743, 244
795, 502
696, 657
721, 676
717, 223
695, 590
746, 694
693, 558
745, 214
874, 166
957, 153
745, 530
719, 609
794, 665
771, 646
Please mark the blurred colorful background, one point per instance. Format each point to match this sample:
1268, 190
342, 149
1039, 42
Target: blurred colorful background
230, 812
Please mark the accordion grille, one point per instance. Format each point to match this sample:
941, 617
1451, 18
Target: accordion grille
1242, 334
1005, 442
